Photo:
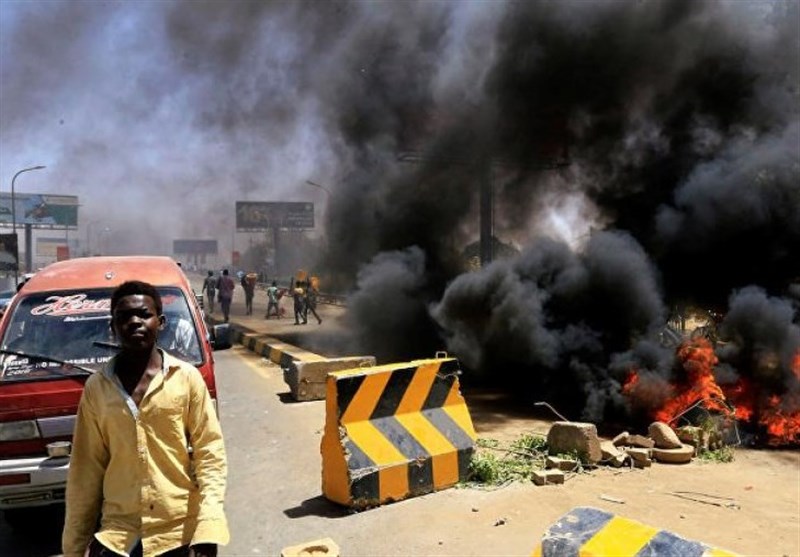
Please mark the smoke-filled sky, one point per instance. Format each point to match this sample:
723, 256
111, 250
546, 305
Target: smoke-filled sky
644, 154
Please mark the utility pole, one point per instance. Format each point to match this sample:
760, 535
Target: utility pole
485, 171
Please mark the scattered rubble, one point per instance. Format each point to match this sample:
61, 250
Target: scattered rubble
323, 547
544, 477
640, 441
573, 447
642, 458
682, 455
563, 464
663, 436
576, 438
612, 499
611, 454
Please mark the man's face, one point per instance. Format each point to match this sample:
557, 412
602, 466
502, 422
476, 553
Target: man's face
136, 322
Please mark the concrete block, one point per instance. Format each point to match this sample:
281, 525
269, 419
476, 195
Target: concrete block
611, 454
575, 437
588, 531
621, 439
641, 457
395, 431
325, 547
544, 477
641, 441
663, 436
563, 464
306, 379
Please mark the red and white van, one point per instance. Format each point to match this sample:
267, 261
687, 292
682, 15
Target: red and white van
53, 335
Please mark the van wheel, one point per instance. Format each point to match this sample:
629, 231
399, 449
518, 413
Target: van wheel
19, 519
33, 519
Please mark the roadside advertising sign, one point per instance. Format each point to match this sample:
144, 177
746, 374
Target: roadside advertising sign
48, 247
194, 247
40, 210
255, 216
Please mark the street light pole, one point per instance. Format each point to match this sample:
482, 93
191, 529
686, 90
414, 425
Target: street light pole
320, 186
14, 216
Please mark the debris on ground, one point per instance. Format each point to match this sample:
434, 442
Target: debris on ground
571, 448
612, 499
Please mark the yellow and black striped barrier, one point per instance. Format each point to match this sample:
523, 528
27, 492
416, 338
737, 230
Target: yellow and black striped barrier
589, 532
394, 431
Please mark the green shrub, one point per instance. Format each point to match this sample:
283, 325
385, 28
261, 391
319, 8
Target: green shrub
495, 464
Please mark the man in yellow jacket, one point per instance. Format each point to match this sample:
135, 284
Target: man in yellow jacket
134, 486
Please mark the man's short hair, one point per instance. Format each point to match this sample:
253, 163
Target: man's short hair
133, 288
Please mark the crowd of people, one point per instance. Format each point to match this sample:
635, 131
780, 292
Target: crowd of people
221, 288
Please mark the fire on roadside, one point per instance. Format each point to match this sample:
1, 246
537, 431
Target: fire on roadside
777, 415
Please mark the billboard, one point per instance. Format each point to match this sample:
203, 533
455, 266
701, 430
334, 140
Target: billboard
48, 247
40, 210
9, 256
194, 247
264, 215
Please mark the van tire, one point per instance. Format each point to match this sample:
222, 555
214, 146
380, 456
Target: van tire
30, 519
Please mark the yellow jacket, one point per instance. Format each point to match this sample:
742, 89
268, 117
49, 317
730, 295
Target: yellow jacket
131, 468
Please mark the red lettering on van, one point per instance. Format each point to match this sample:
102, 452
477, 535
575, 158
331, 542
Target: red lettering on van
74, 304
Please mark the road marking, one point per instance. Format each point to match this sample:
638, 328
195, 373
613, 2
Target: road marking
255, 362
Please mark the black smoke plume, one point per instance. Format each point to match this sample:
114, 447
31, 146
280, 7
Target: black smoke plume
643, 157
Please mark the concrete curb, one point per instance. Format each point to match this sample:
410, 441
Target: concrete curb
269, 347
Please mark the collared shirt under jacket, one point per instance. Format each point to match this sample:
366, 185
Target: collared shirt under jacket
131, 466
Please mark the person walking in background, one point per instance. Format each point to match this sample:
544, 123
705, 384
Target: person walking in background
310, 300
210, 290
134, 488
249, 286
273, 296
298, 295
225, 286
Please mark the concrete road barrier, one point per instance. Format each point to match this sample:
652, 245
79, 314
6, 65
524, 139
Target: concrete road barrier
307, 379
276, 351
589, 532
394, 431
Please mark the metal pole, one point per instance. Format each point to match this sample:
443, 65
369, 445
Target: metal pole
486, 215
320, 186
14, 216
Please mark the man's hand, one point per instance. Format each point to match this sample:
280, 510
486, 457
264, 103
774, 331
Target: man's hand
203, 550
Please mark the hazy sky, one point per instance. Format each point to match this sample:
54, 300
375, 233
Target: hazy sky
160, 115
678, 122
153, 116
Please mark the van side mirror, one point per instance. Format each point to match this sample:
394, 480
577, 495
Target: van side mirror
221, 337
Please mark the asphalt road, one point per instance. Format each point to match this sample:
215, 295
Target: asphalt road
274, 495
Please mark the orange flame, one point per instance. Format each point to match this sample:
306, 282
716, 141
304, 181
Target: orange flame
698, 360
630, 383
778, 415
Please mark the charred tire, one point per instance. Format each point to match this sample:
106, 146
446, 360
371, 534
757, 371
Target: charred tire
674, 456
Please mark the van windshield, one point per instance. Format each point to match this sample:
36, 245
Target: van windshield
73, 327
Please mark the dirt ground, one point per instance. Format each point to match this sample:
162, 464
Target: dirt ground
760, 514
